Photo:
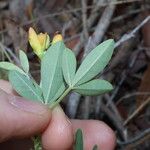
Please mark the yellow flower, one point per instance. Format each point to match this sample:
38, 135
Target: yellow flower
57, 38
39, 42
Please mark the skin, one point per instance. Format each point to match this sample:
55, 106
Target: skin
20, 119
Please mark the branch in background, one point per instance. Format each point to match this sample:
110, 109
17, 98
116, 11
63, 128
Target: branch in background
115, 120
131, 95
137, 111
71, 11
84, 19
136, 140
8, 50
102, 25
130, 35
101, 28
73, 101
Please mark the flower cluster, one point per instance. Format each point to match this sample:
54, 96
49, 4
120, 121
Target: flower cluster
40, 42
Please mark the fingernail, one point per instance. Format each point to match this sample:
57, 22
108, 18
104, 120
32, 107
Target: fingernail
27, 105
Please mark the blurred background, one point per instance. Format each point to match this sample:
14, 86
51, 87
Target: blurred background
84, 24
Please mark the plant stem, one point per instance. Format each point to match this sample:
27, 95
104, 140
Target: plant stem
37, 143
54, 104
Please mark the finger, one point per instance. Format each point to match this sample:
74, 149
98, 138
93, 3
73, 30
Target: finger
6, 86
95, 132
59, 133
20, 117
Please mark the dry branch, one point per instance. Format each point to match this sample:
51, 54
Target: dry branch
102, 25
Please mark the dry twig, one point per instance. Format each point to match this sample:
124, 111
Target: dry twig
137, 111
136, 140
130, 35
102, 25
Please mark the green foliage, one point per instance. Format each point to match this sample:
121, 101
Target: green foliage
95, 62
24, 86
51, 71
79, 140
59, 65
94, 87
79, 144
24, 61
59, 93
69, 66
10, 66
59, 77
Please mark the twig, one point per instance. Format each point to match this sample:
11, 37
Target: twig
87, 49
11, 54
101, 28
78, 9
136, 139
68, 24
137, 111
130, 35
132, 12
131, 95
68, 11
5, 52
86, 107
72, 104
116, 115
114, 119
84, 19
107, 13
131, 63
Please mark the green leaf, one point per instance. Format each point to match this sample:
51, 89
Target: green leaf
69, 66
79, 140
95, 62
59, 93
38, 89
94, 87
24, 61
51, 70
24, 86
10, 66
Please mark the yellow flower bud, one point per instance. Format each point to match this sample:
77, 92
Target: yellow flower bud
47, 42
57, 38
39, 42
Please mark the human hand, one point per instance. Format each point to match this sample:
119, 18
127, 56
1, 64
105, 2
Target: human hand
20, 118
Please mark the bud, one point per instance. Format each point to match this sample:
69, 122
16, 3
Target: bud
57, 38
39, 42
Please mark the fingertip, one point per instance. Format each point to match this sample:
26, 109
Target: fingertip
20, 117
96, 132
59, 133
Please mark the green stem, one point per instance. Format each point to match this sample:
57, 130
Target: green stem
54, 104
37, 142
